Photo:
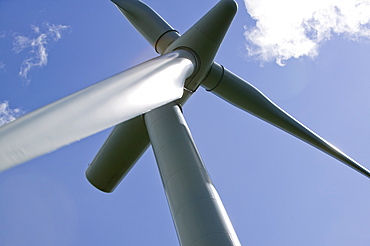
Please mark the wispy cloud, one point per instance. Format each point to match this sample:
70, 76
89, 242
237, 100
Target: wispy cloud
7, 114
36, 46
293, 28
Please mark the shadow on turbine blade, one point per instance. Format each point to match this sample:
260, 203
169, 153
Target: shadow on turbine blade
125, 145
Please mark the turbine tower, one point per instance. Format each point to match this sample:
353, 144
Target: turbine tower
144, 104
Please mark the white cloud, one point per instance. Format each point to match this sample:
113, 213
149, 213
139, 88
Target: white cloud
7, 114
20, 43
295, 28
36, 29
36, 45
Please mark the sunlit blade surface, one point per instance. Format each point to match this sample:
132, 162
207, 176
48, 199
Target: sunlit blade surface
105, 104
243, 95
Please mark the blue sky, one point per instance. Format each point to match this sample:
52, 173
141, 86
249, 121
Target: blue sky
276, 189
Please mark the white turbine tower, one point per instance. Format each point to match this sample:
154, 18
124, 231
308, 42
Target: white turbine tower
145, 103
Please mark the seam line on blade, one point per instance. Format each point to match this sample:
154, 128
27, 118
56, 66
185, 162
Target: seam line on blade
159, 38
219, 80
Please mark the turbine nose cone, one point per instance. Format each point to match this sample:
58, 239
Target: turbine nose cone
216, 23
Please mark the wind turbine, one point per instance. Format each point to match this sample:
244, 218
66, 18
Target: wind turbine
149, 97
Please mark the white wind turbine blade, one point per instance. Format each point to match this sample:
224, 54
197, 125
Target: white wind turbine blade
240, 93
100, 106
123, 148
151, 25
